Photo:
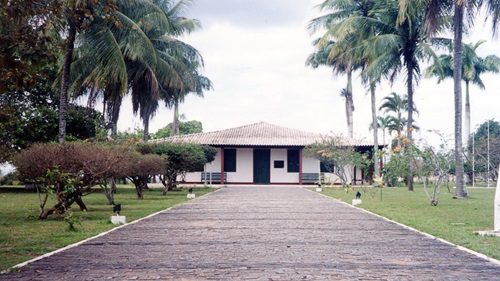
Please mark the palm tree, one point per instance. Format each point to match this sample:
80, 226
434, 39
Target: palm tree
321, 57
472, 68
108, 49
384, 123
342, 55
150, 58
345, 55
398, 45
396, 105
175, 60
177, 95
435, 11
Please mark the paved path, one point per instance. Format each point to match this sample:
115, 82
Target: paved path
268, 233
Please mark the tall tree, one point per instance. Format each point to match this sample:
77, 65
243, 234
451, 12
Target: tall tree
473, 66
321, 57
434, 12
348, 53
398, 45
396, 105
342, 55
177, 96
176, 61
79, 16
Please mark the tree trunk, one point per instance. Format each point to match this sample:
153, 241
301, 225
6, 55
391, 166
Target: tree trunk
113, 113
145, 122
79, 202
457, 86
409, 125
175, 123
139, 190
376, 166
65, 81
349, 106
467, 118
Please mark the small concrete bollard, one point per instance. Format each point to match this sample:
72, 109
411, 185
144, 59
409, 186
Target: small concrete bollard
356, 202
319, 189
118, 219
191, 196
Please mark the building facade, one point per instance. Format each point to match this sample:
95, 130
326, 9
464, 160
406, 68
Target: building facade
262, 153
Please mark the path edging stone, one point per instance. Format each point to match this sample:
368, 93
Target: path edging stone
462, 248
19, 265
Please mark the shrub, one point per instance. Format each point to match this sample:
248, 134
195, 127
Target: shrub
181, 158
141, 168
70, 170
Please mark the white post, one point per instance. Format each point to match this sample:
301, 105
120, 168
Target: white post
473, 167
488, 161
205, 173
496, 226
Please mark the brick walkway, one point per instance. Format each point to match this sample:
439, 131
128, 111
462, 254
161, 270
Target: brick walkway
255, 233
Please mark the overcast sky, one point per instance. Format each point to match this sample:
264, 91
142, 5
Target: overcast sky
255, 52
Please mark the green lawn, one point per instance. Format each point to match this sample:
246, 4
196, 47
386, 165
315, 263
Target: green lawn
23, 236
453, 220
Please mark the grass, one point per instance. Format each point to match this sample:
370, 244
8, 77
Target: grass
454, 220
23, 236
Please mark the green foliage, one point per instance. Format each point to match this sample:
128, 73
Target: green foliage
338, 158
181, 158
71, 221
480, 151
185, 128
68, 171
31, 115
482, 131
209, 152
26, 48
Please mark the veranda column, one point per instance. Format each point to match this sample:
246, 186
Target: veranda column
300, 166
222, 165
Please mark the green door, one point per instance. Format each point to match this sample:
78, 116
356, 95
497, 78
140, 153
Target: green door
261, 165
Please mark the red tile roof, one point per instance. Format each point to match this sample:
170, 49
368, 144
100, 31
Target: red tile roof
258, 134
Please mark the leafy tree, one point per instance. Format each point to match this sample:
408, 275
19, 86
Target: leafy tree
68, 171
25, 48
30, 116
339, 158
480, 149
185, 128
141, 168
181, 158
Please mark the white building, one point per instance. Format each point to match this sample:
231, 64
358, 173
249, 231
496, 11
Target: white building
262, 153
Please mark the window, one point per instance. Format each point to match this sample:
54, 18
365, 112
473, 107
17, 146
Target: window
229, 160
279, 164
293, 161
326, 167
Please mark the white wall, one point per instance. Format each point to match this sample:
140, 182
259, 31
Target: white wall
244, 166
310, 165
332, 178
280, 175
